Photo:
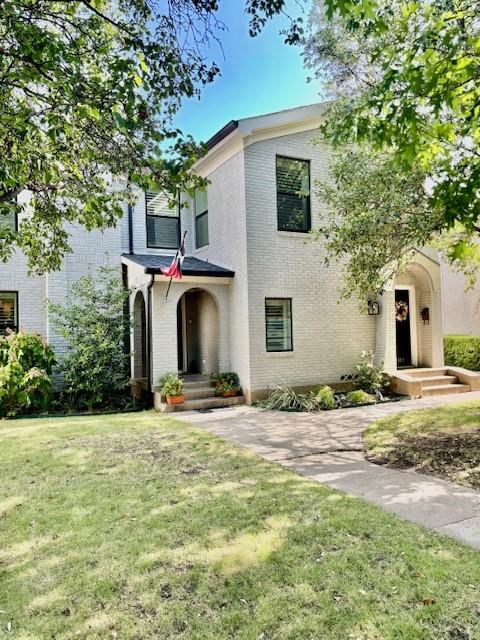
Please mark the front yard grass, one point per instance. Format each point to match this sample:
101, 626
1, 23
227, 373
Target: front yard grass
137, 526
444, 441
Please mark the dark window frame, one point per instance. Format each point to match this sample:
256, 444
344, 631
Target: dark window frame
17, 309
197, 217
16, 220
278, 192
290, 301
150, 215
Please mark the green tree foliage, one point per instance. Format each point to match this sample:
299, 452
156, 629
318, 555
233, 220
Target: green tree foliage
26, 363
376, 215
94, 368
88, 91
404, 76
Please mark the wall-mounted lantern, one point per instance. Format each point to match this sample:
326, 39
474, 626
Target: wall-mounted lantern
425, 313
373, 307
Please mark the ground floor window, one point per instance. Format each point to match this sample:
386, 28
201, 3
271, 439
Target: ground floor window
278, 320
8, 311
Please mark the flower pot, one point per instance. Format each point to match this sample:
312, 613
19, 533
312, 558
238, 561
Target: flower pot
175, 399
229, 394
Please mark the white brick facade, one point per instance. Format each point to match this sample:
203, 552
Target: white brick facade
328, 333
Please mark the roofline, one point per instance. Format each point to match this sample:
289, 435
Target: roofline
221, 134
194, 272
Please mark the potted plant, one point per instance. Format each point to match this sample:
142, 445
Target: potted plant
172, 388
227, 389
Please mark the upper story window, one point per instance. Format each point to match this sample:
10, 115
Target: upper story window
8, 311
278, 321
163, 222
201, 218
293, 194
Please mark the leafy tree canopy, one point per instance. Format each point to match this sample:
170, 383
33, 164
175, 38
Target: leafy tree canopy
88, 91
404, 76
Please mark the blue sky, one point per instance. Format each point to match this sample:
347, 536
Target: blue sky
259, 75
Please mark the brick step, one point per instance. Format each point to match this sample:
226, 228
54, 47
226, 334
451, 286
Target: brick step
441, 390
201, 403
196, 393
197, 384
429, 381
425, 372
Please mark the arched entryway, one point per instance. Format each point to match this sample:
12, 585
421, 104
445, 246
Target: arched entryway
139, 337
415, 317
198, 332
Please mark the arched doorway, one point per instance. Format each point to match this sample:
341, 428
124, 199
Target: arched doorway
139, 337
197, 332
414, 313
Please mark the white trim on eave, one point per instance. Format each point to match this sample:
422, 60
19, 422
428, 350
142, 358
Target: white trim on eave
251, 130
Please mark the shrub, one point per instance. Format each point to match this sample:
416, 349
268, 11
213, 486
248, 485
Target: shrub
369, 377
26, 363
284, 398
462, 351
359, 397
325, 398
226, 377
172, 385
227, 387
95, 367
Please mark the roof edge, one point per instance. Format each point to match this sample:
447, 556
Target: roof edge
221, 134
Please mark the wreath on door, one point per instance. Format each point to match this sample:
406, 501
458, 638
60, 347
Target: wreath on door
401, 311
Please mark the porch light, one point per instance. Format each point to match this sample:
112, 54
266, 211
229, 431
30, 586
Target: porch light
373, 307
425, 313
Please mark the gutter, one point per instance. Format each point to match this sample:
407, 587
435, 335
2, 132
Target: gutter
130, 229
149, 330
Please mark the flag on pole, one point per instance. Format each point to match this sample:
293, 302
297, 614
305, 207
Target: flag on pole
175, 268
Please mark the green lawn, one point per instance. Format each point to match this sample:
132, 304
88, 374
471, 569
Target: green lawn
137, 526
444, 441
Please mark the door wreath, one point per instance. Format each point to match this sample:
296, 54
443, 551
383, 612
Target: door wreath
401, 311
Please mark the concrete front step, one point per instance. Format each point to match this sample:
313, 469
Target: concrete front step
425, 372
197, 384
444, 389
201, 403
429, 381
196, 393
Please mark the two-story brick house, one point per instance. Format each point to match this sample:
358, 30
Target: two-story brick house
256, 296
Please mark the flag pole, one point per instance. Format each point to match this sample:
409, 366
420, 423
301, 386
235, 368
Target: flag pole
176, 256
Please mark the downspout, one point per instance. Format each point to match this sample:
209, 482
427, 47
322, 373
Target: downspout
130, 229
150, 354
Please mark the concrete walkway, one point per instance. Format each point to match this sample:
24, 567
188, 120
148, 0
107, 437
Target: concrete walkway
327, 447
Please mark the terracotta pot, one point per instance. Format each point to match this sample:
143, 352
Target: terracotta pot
229, 394
175, 399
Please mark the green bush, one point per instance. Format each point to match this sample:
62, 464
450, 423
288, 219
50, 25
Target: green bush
369, 377
172, 385
95, 367
325, 398
226, 377
360, 397
284, 398
26, 363
462, 351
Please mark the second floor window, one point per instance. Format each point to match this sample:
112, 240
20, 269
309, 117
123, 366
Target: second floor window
293, 194
201, 218
163, 222
8, 311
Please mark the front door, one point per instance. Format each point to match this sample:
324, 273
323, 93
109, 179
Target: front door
402, 321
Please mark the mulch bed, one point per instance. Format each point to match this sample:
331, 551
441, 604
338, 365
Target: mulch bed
452, 456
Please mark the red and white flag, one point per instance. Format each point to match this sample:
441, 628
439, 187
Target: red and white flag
175, 268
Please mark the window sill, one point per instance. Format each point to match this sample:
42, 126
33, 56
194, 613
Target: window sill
279, 354
300, 235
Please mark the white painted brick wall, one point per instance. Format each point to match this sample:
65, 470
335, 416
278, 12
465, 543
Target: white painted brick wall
328, 335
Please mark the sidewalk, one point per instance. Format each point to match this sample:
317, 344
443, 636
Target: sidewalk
327, 447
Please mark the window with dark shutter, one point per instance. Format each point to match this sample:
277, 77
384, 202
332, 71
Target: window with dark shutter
293, 194
8, 311
278, 321
201, 218
163, 221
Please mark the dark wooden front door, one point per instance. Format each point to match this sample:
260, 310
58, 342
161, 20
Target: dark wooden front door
402, 320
